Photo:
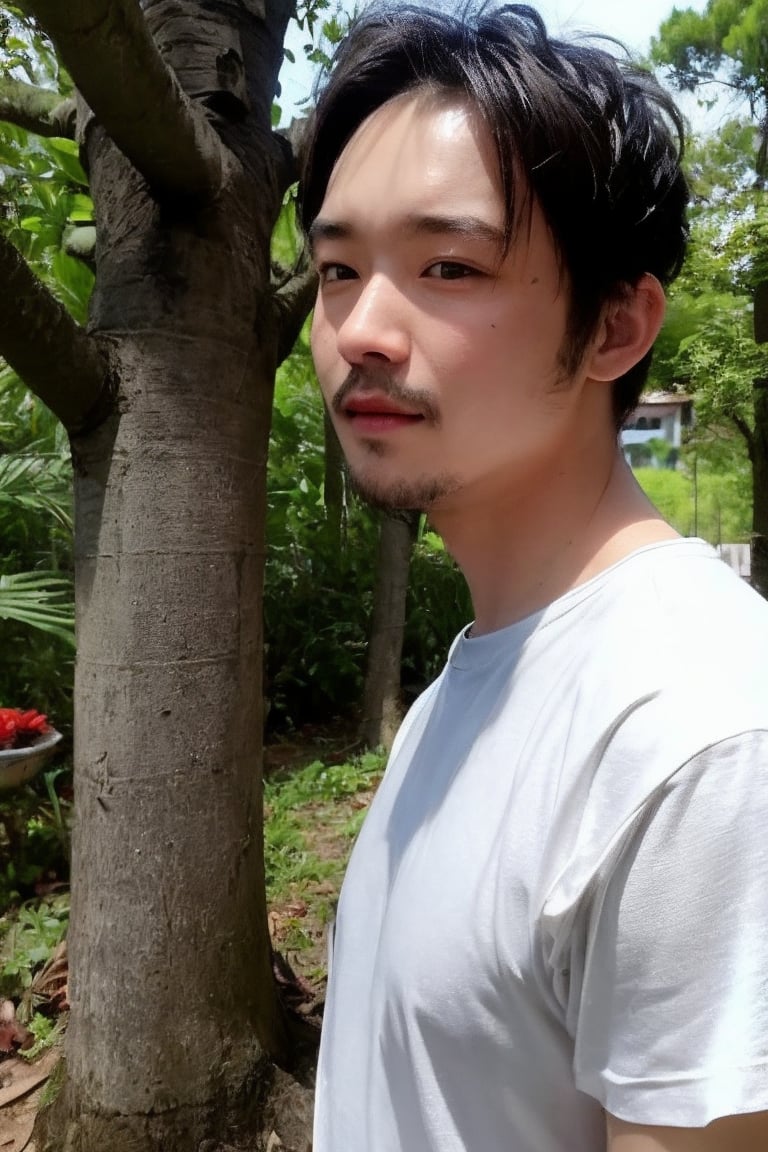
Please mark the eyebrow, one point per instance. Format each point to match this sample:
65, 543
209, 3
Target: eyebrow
465, 227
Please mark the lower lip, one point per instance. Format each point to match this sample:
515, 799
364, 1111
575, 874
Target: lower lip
381, 422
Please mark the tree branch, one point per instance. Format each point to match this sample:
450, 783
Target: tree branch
290, 140
52, 354
116, 65
293, 302
36, 109
745, 430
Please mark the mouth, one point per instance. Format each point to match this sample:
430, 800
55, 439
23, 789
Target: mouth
372, 412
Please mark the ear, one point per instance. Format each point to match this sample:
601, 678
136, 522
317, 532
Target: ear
628, 328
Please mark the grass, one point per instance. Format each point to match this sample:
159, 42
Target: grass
312, 815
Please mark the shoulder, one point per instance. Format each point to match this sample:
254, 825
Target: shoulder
681, 593
678, 649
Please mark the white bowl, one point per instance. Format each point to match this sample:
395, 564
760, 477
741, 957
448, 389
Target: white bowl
18, 765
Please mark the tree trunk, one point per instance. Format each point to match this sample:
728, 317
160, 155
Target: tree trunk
382, 712
174, 1020
759, 460
333, 485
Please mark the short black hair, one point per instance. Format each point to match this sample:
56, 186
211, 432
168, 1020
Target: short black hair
596, 139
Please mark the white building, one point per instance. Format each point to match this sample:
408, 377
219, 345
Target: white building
658, 416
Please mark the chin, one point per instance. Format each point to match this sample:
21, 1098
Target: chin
403, 495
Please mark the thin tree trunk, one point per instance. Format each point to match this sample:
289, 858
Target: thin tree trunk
333, 485
759, 459
382, 711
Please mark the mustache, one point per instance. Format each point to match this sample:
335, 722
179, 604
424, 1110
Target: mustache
377, 380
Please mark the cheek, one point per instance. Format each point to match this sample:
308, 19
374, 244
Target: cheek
455, 349
330, 369
316, 328
323, 345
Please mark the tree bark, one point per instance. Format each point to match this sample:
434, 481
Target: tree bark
759, 460
57, 359
135, 96
382, 712
175, 1023
293, 302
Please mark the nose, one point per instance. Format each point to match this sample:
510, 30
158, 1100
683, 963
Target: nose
376, 325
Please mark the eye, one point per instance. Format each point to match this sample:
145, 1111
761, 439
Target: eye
330, 273
449, 270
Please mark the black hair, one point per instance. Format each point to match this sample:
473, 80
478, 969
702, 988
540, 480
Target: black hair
596, 140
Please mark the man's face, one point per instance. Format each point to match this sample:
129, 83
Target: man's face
437, 353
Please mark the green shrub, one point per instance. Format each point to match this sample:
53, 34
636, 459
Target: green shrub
34, 836
711, 503
36, 562
28, 938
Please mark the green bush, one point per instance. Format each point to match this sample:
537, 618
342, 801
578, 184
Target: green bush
36, 563
713, 503
28, 939
34, 836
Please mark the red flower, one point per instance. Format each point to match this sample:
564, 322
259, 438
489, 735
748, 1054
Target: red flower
18, 729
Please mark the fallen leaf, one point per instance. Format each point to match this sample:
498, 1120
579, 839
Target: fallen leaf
17, 1122
295, 910
19, 1077
17, 1130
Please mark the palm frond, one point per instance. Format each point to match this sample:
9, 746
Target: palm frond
41, 600
36, 483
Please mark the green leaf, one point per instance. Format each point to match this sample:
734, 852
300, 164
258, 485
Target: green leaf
65, 155
333, 30
73, 283
37, 483
81, 209
64, 147
317, 56
286, 239
42, 600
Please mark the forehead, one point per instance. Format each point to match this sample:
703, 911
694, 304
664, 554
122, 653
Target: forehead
425, 152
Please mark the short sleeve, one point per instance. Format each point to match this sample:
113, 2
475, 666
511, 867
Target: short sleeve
672, 1024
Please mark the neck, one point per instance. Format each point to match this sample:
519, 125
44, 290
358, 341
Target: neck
523, 549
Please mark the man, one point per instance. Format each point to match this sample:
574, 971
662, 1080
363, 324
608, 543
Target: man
553, 933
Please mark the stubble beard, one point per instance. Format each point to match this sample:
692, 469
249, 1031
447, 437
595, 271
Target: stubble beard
418, 495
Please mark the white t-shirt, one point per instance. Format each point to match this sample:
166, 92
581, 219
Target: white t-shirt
558, 902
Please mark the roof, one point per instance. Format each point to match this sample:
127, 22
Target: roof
664, 398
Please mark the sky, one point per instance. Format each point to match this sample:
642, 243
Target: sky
633, 22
